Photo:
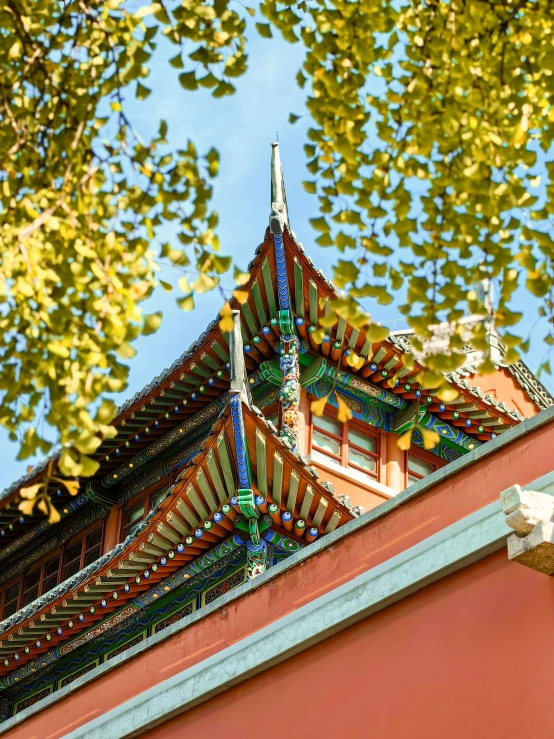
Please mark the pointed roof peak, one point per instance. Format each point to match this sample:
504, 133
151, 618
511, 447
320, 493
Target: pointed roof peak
279, 217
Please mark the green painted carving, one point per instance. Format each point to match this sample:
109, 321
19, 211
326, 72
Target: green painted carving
286, 323
247, 504
271, 372
406, 418
256, 559
290, 390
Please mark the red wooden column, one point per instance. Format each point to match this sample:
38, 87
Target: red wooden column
304, 423
113, 527
395, 462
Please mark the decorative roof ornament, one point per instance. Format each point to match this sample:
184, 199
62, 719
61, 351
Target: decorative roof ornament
279, 217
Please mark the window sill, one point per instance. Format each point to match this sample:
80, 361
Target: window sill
352, 475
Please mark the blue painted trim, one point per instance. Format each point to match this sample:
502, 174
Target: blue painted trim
240, 442
281, 269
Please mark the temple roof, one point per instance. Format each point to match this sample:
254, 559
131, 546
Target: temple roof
199, 512
194, 386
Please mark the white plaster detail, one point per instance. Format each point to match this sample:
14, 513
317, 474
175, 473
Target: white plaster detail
530, 514
352, 475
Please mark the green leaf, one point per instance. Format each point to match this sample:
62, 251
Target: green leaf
376, 333
186, 303
188, 81
142, 91
177, 62
204, 283
264, 29
126, 351
241, 278
152, 323
320, 224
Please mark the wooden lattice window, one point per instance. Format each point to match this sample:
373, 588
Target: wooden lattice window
134, 512
46, 574
11, 599
418, 467
346, 444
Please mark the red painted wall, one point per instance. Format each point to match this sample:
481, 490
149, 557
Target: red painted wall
502, 386
450, 500
470, 656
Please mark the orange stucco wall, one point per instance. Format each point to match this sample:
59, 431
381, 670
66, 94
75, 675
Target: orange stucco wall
470, 656
502, 386
450, 500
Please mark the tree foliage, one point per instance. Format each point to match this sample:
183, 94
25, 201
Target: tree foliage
430, 129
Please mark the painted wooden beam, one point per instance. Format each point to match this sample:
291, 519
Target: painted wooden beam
307, 502
211, 464
187, 513
269, 288
277, 489
261, 463
259, 303
206, 491
298, 288
293, 491
226, 465
313, 300
320, 512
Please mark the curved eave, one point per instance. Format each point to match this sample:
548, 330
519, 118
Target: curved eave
310, 288
193, 508
181, 391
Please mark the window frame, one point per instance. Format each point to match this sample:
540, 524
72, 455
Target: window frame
343, 459
424, 456
145, 498
41, 564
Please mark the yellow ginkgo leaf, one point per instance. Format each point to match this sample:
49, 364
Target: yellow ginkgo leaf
318, 406
430, 438
241, 296
430, 379
377, 333
355, 361
53, 515
30, 492
344, 413
241, 278
44, 505
71, 485
391, 382
405, 440
329, 320
226, 323
447, 394
26, 507
318, 335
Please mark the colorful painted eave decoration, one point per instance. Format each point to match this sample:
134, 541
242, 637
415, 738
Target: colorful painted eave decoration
200, 376
200, 512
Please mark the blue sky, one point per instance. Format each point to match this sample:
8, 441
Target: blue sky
242, 128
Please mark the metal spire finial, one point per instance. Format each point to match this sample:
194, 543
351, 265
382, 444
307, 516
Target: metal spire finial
279, 217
